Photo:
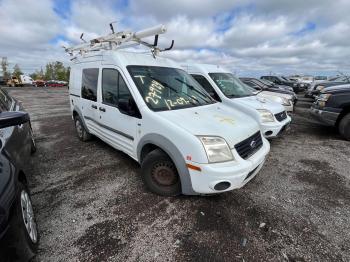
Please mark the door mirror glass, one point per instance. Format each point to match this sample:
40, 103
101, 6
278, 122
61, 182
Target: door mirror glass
13, 118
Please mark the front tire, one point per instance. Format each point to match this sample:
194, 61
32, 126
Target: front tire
82, 133
23, 231
344, 126
160, 175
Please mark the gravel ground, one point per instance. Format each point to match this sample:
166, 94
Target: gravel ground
91, 204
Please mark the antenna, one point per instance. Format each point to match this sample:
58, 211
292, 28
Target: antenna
81, 37
120, 40
111, 26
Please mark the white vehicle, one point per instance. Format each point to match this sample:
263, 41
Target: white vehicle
26, 80
286, 100
149, 108
224, 87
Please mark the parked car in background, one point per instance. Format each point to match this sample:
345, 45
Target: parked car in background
56, 83
282, 81
229, 90
279, 87
39, 83
317, 88
269, 88
332, 108
14, 81
18, 229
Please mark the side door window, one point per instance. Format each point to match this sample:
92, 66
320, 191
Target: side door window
110, 86
207, 86
89, 84
114, 89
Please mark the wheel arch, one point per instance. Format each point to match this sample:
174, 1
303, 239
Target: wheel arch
344, 112
153, 141
77, 112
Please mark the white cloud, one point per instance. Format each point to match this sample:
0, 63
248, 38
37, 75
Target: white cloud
246, 35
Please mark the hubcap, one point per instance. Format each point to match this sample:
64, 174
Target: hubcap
164, 174
79, 128
28, 216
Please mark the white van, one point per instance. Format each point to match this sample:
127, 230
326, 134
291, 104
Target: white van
26, 80
229, 90
151, 109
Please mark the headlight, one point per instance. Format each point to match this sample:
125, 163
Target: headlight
266, 115
216, 148
320, 88
295, 84
286, 102
324, 97
301, 85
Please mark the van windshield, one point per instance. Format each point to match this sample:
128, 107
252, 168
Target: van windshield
231, 86
165, 88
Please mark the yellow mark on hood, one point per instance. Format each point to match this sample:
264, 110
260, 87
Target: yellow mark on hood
224, 119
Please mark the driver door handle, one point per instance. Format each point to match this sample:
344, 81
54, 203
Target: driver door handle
94, 107
102, 109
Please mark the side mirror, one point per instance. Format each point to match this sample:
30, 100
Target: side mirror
13, 118
128, 107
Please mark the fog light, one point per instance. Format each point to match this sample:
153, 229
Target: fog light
222, 186
268, 133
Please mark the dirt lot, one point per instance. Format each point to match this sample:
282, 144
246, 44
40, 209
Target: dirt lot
91, 204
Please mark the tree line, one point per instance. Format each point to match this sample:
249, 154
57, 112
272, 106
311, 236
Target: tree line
53, 71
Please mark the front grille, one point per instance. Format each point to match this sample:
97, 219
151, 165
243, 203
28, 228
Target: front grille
248, 147
281, 116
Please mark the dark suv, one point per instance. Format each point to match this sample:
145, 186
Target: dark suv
332, 108
281, 81
18, 230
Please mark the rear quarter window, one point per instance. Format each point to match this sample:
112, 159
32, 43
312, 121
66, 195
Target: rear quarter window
89, 84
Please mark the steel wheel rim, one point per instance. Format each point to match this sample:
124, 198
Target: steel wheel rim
28, 216
164, 174
79, 128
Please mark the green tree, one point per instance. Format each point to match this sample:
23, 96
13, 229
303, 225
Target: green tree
56, 71
17, 71
48, 72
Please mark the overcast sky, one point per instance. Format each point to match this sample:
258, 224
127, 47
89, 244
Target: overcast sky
249, 37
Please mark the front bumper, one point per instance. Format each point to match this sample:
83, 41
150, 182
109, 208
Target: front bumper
289, 108
235, 173
324, 116
275, 129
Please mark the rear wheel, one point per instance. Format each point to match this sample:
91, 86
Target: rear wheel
23, 231
344, 126
82, 133
160, 175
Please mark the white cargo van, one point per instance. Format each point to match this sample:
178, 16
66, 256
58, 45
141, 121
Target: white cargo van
151, 109
229, 90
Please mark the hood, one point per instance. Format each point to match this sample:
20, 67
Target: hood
214, 120
331, 83
337, 88
260, 101
281, 90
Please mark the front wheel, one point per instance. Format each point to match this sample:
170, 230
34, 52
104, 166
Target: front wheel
344, 126
23, 231
160, 175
